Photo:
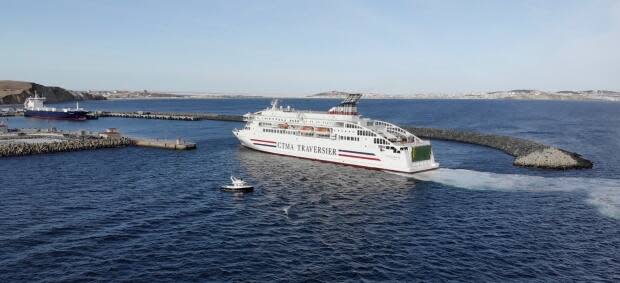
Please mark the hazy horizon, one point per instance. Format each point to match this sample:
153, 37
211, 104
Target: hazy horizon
284, 48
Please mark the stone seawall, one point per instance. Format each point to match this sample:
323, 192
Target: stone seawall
88, 143
528, 153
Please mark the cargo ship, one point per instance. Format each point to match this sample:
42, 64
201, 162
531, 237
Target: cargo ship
34, 107
339, 135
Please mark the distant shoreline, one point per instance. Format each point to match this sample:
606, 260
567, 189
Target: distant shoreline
324, 98
364, 98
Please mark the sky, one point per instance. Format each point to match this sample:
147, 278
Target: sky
305, 47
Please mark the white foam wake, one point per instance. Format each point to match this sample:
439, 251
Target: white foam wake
604, 194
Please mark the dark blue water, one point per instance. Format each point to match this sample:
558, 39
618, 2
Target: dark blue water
137, 214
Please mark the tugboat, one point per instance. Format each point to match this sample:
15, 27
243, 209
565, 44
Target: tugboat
34, 107
237, 185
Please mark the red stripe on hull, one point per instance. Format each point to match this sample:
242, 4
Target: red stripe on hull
361, 157
262, 141
270, 145
341, 163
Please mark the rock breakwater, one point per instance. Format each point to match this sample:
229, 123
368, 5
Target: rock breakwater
528, 153
83, 143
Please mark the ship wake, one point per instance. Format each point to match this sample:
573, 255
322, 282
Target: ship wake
604, 194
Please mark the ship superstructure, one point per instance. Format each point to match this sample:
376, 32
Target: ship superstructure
339, 135
35, 107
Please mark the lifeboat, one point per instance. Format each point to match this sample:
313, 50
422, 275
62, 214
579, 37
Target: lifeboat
307, 129
283, 126
323, 131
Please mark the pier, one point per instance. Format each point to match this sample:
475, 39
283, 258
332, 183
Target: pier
169, 116
177, 144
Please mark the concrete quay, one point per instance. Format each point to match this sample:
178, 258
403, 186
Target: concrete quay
177, 144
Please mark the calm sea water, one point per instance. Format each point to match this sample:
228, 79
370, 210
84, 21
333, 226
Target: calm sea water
137, 214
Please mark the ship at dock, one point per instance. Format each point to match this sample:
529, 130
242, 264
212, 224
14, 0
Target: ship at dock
340, 135
35, 107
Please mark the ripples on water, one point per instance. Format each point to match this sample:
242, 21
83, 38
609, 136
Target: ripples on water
150, 215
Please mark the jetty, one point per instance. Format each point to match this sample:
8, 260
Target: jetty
177, 144
38, 141
21, 142
527, 153
169, 116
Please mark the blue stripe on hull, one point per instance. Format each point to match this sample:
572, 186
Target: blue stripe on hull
356, 152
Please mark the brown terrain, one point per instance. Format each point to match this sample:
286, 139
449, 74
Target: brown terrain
16, 92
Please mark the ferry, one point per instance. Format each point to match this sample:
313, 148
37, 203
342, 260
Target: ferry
34, 107
340, 135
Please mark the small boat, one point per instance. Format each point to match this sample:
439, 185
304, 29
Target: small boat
237, 185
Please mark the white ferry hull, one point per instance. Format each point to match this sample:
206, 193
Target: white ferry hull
331, 150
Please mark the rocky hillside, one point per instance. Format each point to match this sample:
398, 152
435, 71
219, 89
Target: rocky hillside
16, 92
